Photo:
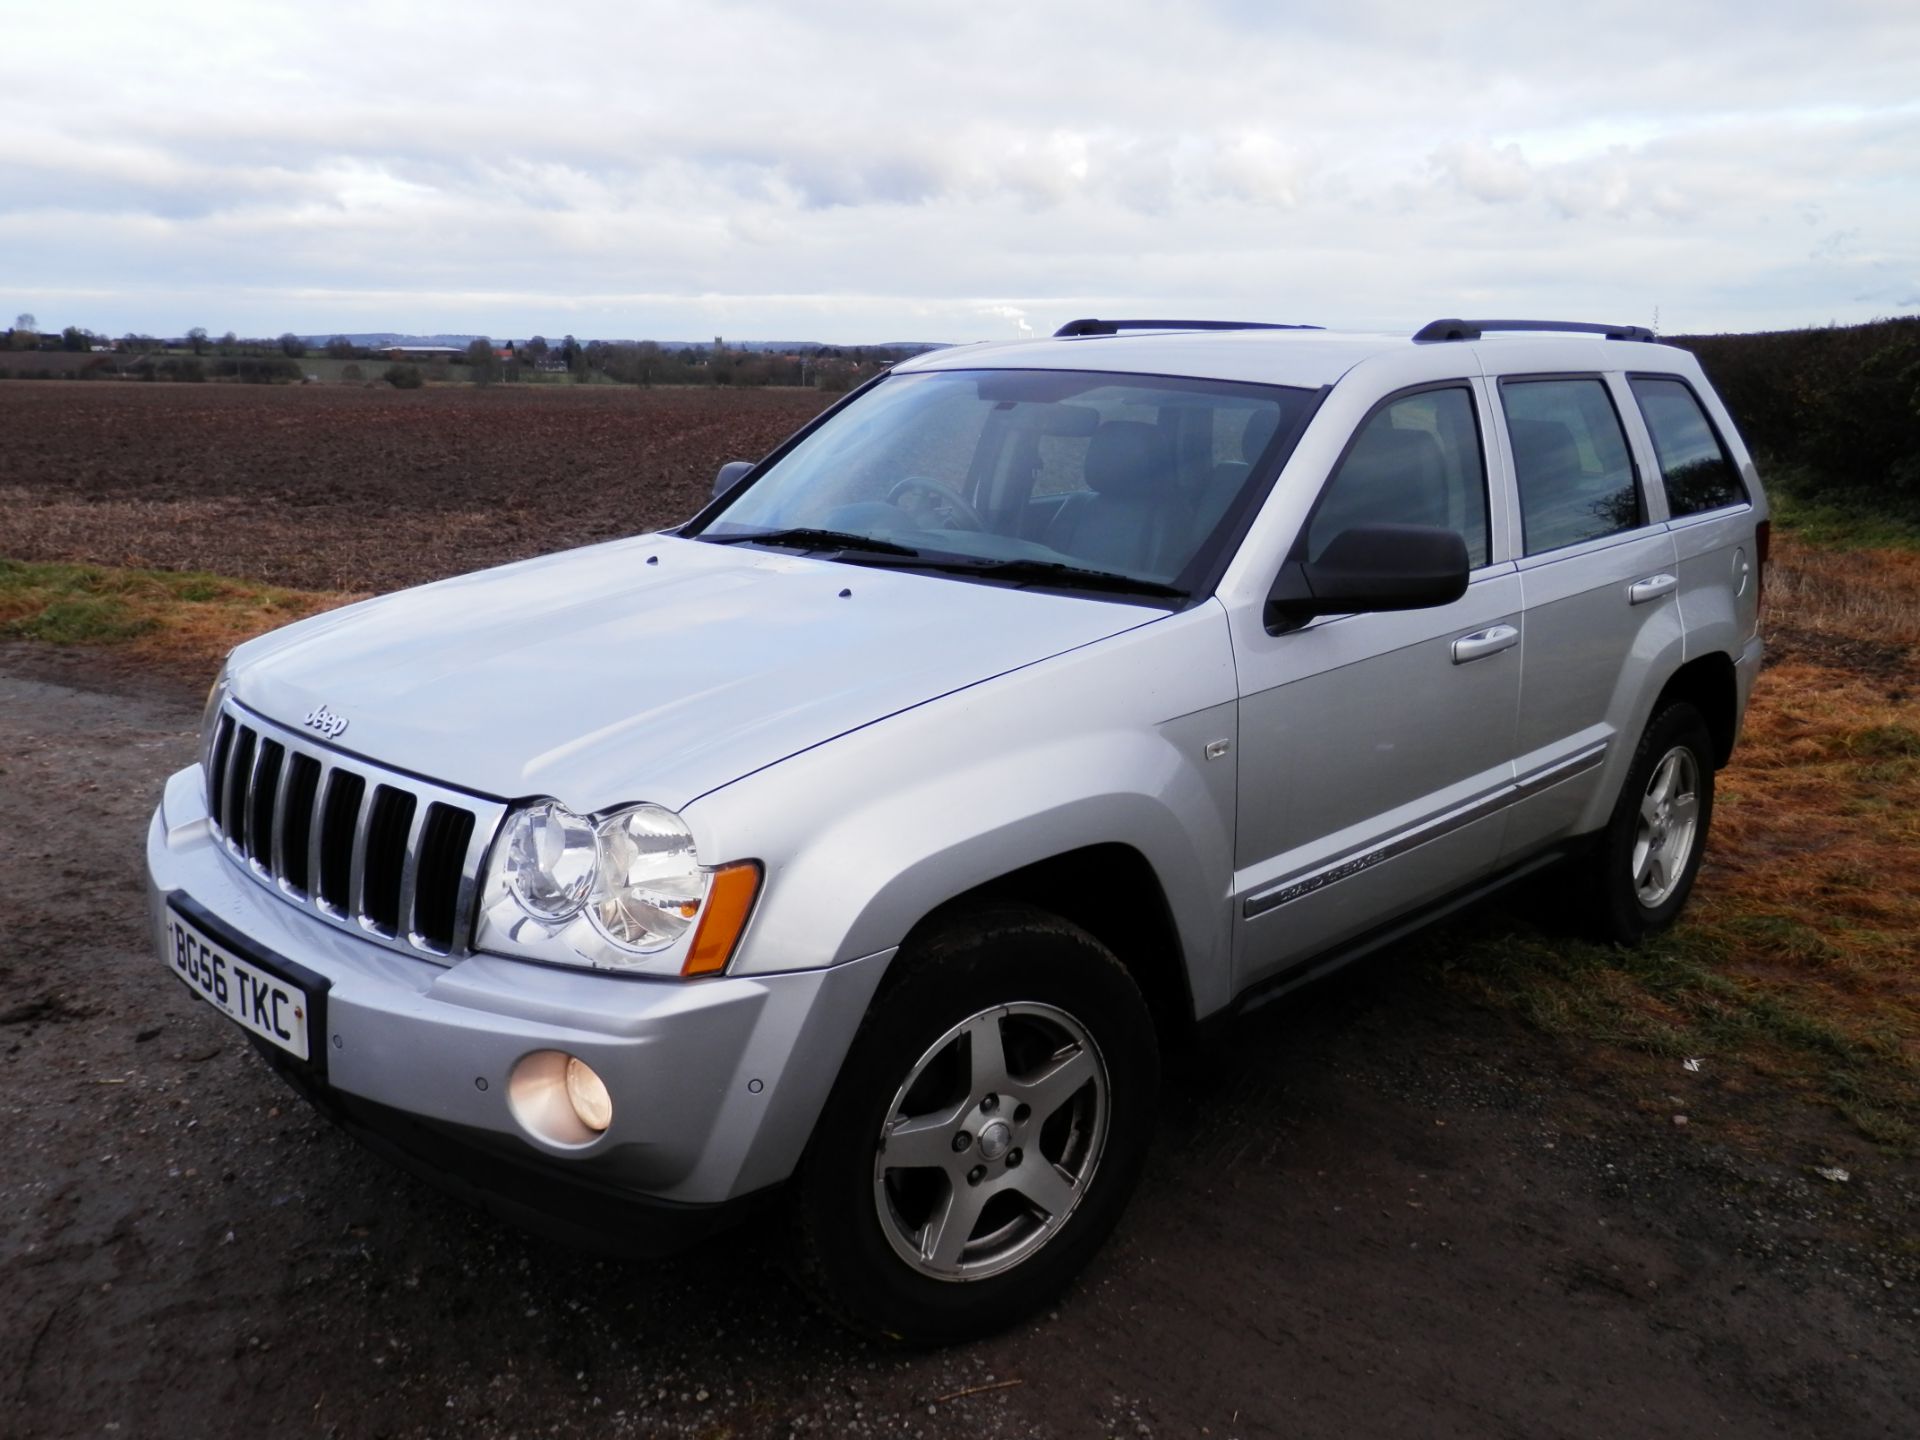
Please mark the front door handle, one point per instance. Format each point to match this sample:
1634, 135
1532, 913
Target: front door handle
1484, 642
1651, 588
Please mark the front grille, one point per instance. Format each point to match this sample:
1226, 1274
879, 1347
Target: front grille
391, 857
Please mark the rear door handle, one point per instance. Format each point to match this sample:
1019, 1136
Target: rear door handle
1651, 588
1484, 642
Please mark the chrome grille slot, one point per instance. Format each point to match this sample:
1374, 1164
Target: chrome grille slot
217, 767
239, 775
443, 844
263, 800
339, 819
389, 822
392, 858
296, 824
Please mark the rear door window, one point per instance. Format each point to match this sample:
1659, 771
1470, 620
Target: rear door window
1698, 473
1416, 461
1571, 462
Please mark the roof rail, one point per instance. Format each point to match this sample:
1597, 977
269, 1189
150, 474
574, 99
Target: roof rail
1474, 329
1114, 327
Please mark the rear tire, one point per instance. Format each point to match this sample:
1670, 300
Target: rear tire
1643, 867
984, 1135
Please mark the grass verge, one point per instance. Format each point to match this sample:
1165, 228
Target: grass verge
1795, 961
164, 615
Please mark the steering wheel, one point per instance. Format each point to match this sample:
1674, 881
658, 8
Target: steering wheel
956, 503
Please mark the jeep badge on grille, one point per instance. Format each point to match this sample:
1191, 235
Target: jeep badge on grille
327, 723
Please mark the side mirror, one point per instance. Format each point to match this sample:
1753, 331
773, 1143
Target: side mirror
729, 474
1370, 567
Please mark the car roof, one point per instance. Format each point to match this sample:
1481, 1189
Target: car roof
1300, 357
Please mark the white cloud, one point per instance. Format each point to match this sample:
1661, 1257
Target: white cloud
1495, 174
1012, 313
852, 171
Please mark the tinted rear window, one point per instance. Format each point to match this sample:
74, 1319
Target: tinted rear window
1571, 462
1698, 473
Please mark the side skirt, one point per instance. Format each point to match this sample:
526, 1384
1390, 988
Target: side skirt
1316, 967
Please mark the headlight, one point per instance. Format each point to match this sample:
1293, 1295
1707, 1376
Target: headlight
651, 883
625, 891
550, 860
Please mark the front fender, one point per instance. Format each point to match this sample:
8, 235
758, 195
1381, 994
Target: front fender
1106, 744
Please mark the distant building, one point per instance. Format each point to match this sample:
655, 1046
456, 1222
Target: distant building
423, 352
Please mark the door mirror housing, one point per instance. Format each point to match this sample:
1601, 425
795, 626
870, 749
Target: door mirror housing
729, 474
1367, 568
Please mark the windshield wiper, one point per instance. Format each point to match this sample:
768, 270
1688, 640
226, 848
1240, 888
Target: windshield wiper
806, 538
1052, 572
1042, 572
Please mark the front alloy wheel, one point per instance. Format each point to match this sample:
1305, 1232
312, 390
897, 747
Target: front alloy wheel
984, 1133
991, 1141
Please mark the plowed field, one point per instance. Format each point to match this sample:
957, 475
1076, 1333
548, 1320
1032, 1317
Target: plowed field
345, 488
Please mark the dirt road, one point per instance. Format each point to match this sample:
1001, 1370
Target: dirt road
1375, 1211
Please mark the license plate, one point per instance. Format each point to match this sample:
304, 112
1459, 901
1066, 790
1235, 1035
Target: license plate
274, 1009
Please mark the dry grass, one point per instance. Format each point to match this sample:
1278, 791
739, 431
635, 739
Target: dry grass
182, 620
1857, 598
1796, 959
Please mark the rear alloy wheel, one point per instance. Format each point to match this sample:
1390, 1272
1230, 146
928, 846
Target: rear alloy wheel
1667, 827
1650, 852
984, 1134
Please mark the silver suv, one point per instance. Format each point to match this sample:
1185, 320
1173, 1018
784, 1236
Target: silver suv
856, 847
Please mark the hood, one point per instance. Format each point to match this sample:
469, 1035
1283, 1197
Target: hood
647, 669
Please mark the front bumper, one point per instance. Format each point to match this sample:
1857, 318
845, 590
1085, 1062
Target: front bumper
715, 1083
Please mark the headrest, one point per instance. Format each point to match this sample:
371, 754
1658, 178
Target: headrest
1543, 448
1395, 455
1127, 458
1258, 433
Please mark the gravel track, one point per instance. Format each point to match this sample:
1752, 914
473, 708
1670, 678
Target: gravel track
1374, 1211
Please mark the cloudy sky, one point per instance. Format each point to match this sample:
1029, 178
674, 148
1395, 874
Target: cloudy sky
892, 170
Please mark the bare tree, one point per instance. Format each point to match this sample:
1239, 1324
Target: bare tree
197, 339
481, 360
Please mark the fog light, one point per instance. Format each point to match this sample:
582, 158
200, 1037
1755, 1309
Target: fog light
588, 1094
558, 1098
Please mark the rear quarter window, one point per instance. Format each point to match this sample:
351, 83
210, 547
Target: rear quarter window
1694, 465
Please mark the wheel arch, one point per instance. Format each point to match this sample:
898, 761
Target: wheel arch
1709, 684
1081, 886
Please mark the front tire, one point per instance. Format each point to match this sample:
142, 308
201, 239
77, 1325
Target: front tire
985, 1132
1649, 854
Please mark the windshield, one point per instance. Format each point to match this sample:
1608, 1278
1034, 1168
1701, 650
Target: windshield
1006, 473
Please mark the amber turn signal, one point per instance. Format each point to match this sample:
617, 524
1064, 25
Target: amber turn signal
724, 915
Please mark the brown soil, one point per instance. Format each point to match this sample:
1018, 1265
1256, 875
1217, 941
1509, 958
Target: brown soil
338, 487
1379, 1209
